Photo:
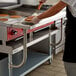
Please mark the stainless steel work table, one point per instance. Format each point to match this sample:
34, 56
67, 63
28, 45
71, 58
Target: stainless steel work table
35, 57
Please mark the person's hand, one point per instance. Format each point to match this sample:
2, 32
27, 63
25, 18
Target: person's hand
43, 1
32, 19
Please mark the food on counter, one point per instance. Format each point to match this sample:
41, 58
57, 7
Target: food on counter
29, 18
15, 16
3, 19
3, 15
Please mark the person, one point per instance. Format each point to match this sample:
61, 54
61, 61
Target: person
69, 56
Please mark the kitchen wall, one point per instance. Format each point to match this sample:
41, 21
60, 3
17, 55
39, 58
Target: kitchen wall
36, 2
52, 2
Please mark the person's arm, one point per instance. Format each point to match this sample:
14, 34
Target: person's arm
53, 10
48, 13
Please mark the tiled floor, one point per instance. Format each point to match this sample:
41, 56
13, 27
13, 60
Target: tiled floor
56, 68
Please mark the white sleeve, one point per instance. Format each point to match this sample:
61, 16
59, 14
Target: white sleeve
70, 2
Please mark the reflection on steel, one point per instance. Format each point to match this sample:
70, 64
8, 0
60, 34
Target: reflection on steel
24, 53
55, 44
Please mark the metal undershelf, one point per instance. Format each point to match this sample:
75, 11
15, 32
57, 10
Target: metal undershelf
34, 60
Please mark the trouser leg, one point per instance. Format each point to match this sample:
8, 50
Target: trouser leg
70, 68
